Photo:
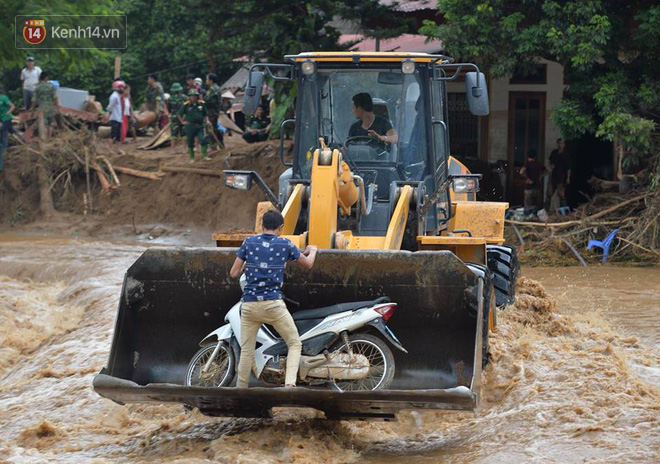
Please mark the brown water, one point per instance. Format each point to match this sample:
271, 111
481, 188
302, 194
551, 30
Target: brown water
575, 377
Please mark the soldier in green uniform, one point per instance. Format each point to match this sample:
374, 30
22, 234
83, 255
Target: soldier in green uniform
177, 99
154, 97
192, 116
213, 100
46, 99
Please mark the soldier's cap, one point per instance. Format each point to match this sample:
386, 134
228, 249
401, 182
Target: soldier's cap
29, 58
193, 92
176, 87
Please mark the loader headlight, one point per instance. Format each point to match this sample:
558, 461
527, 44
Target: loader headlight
238, 181
408, 66
308, 67
465, 184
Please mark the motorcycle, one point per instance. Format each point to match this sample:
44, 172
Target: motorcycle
344, 347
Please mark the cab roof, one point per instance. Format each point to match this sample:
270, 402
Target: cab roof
357, 57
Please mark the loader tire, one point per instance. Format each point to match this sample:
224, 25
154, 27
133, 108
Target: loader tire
503, 266
221, 372
364, 343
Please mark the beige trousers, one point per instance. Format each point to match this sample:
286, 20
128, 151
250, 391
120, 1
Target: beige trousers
275, 313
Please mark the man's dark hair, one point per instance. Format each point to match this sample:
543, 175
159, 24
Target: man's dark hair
43, 76
190, 76
153, 76
213, 77
272, 220
531, 153
560, 140
364, 101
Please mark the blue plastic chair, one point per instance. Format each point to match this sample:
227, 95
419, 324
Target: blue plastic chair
605, 244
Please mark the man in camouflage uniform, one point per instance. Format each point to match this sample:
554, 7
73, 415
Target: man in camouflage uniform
192, 116
46, 98
177, 99
213, 101
154, 97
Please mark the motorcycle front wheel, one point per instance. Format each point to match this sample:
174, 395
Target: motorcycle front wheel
219, 374
381, 362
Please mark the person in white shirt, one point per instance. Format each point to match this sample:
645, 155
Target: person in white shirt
115, 112
30, 77
129, 116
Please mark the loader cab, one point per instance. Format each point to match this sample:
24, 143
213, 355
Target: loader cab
400, 101
407, 92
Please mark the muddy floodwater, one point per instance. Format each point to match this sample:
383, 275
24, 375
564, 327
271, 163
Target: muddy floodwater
574, 377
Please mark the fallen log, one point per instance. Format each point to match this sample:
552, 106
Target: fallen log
113, 174
200, 171
142, 174
105, 185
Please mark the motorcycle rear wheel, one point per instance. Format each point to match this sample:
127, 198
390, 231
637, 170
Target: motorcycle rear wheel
220, 373
381, 362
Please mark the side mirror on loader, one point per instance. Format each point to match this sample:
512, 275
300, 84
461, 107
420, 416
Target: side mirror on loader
253, 92
476, 92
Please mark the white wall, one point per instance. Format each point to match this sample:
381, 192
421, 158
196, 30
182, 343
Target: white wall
498, 120
498, 123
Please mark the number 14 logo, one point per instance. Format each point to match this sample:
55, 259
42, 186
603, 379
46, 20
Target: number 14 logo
34, 31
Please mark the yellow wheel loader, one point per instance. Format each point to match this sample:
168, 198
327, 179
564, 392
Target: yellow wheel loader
393, 216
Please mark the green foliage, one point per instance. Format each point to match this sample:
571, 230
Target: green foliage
69, 60
376, 19
610, 54
634, 131
574, 119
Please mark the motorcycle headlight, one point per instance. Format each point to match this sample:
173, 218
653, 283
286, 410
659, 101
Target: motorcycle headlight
465, 185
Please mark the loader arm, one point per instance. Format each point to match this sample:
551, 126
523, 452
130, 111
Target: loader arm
334, 192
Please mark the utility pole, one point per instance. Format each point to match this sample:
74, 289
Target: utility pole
117, 66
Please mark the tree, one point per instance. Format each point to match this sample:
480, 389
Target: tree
377, 19
610, 54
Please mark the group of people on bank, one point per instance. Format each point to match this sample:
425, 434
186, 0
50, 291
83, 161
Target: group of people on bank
193, 112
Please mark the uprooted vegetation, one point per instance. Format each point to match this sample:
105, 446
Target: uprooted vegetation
79, 173
564, 239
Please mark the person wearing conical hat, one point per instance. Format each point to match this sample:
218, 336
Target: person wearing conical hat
192, 116
176, 101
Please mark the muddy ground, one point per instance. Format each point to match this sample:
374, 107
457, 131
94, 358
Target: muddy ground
179, 205
574, 377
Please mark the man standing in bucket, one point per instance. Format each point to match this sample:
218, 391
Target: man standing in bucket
263, 259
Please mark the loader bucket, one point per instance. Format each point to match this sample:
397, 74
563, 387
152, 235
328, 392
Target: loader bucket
172, 298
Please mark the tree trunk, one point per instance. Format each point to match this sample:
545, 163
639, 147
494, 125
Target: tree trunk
45, 198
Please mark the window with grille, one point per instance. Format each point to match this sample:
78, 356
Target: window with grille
463, 127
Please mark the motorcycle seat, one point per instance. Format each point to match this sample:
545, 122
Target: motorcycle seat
320, 313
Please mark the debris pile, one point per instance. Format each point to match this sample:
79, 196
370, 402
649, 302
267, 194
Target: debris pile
563, 240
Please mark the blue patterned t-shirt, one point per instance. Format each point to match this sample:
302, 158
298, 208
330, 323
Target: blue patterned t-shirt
265, 257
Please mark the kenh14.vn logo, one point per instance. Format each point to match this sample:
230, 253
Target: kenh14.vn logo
34, 31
